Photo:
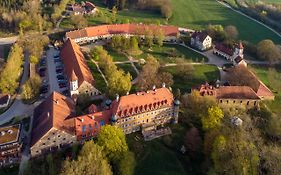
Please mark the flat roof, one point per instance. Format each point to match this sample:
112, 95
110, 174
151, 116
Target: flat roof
9, 134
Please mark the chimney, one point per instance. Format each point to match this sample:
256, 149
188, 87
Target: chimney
154, 87
117, 98
163, 85
82, 120
127, 93
57, 101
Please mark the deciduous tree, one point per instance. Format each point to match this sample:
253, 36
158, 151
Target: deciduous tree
213, 119
268, 51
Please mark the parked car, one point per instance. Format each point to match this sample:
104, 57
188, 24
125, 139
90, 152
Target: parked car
42, 72
59, 67
62, 81
65, 92
56, 56
44, 81
62, 85
57, 60
59, 71
42, 62
60, 77
43, 89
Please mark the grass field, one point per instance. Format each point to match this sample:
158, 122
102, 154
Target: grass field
128, 68
265, 1
199, 13
99, 81
168, 53
262, 73
201, 74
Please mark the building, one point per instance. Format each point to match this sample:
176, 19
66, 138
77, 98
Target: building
4, 100
201, 40
78, 74
233, 54
10, 145
84, 8
239, 61
106, 32
231, 95
53, 125
134, 112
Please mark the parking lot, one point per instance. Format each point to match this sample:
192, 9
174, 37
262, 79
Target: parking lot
53, 76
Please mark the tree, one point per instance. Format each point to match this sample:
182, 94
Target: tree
10, 75
113, 14
148, 37
231, 32
31, 88
118, 82
268, 51
79, 21
275, 79
216, 32
113, 141
159, 37
90, 161
184, 69
213, 119
151, 75
127, 164
241, 76
271, 156
193, 141
134, 46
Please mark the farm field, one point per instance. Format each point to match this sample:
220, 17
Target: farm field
199, 13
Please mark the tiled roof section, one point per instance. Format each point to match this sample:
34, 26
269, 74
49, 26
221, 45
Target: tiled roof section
121, 29
73, 76
91, 123
264, 91
74, 60
201, 35
142, 102
55, 112
225, 49
236, 92
9, 134
89, 5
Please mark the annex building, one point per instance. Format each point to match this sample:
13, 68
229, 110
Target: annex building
79, 76
10, 145
201, 40
106, 32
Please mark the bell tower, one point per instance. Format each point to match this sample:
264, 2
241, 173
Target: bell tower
73, 84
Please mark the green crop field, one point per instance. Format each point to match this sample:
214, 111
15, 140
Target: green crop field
199, 13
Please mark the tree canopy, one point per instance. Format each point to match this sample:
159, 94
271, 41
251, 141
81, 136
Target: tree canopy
213, 119
90, 161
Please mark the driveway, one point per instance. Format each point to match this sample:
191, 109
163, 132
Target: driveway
51, 71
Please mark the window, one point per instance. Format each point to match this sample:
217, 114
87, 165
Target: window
102, 123
84, 128
96, 125
248, 102
90, 127
58, 135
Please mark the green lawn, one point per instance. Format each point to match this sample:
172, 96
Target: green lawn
168, 53
115, 55
99, 81
201, 74
265, 1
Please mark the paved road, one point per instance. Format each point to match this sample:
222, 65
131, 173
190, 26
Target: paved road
9, 40
18, 108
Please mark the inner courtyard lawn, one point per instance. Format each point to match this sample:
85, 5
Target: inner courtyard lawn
200, 74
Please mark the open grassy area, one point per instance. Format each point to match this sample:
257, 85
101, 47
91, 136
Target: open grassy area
201, 74
264, 1
199, 13
162, 155
99, 81
169, 52
115, 55
262, 73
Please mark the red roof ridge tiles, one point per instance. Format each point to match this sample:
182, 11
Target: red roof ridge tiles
95, 31
55, 112
74, 60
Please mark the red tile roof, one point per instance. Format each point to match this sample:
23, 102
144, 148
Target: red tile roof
225, 49
91, 123
120, 29
236, 92
74, 60
201, 35
142, 102
55, 112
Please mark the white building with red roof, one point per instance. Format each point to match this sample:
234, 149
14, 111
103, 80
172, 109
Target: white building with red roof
201, 40
235, 54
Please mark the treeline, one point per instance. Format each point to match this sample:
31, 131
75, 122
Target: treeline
162, 6
119, 82
10, 75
